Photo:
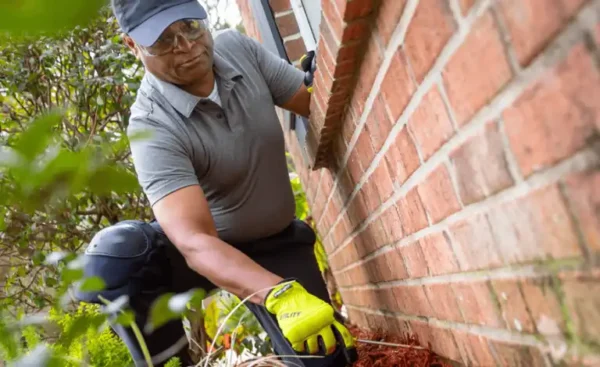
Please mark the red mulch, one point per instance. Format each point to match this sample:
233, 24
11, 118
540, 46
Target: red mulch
372, 355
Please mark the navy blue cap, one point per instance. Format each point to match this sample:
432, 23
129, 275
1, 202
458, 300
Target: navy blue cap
145, 20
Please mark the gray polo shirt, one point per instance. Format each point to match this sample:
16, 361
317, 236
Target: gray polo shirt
235, 149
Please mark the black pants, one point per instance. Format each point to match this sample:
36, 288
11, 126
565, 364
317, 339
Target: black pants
136, 259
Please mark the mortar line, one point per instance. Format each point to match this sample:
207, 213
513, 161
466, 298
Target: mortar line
396, 40
520, 271
511, 159
579, 162
448, 106
506, 40
504, 335
555, 52
445, 55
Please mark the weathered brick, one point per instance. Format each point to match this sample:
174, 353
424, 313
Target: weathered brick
378, 124
387, 299
539, 135
438, 253
365, 150
414, 260
543, 304
583, 190
531, 25
477, 71
465, 5
357, 210
412, 300
402, 157
474, 244
373, 237
355, 30
412, 213
390, 220
443, 301
430, 124
582, 296
370, 195
481, 166
357, 317
430, 29
437, 194
474, 349
386, 267
389, 15
517, 355
287, 25
279, 5
442, 342
476, 302
354, 9
295, 49
382, 178
534, 228
513, 306
397, 86
571, 7
355, 170
333, 18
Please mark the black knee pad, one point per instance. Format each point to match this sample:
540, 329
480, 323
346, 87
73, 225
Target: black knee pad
127, 256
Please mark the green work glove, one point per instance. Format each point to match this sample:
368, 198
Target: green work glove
307, 322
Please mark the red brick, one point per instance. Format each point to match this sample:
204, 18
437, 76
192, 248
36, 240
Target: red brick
386, 267
481, 167
332, 17
355, 30
438, 254
582, 296
358, 275
477, 71
474, 244
357, 317
531, 25
287, 25
571, 7
414, 260
383, 181
583, 190
412, 300
356, 9
364, 148
412, 213
295, 49
387, 299
513, 306
466, 5
437, 194
474, 349
477, 303
389, 15
402, 157
430, 124
443, 301
370, 195
443, 343
517, 355
354, 167
539, 135
378, 124
534, 228
543, 305
429, 31
373, 57
397, 86
390, 220
279, 5
357, 210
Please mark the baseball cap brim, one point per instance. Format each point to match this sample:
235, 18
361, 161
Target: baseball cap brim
148, 32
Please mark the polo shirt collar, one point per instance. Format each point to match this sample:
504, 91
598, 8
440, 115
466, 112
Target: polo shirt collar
185, 102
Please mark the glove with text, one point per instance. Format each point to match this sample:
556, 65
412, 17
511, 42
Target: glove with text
307, 322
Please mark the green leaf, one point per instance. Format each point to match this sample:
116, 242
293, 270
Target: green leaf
43, 16
34, 140
172, 306
126, 318
80, 326
92, 284
71, 275
109, 179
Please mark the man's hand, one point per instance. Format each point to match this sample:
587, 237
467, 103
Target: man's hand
307, 322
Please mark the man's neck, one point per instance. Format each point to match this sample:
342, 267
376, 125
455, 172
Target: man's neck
203, 87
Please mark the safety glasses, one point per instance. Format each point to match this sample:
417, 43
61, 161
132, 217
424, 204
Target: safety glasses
190, 29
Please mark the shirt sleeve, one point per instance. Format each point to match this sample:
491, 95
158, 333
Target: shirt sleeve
161, 161
283, 79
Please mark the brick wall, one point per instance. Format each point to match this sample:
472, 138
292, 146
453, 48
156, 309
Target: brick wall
461, 202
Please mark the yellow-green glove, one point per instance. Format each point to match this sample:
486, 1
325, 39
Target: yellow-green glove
306, 320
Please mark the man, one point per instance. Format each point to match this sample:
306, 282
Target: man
215, 173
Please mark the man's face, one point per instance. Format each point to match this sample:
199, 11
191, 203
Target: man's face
190, 60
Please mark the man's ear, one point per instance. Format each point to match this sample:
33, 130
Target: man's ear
131, 44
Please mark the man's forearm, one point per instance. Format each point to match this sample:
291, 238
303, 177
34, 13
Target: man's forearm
227, 267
